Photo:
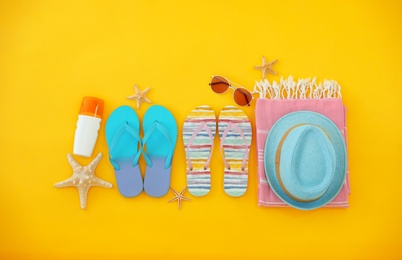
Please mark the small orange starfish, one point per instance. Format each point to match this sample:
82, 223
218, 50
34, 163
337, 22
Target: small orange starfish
179, 196
266, 68
140, 96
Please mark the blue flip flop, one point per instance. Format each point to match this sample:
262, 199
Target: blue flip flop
122, 137
160, 137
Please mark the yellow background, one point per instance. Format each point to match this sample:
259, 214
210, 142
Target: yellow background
52, 53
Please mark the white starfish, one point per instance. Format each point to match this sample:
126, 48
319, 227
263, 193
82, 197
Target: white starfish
140, 96
83, 178
179, 197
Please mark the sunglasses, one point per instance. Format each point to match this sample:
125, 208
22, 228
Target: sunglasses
241, 96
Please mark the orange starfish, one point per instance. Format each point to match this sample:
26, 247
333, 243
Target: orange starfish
266, 68
179, 197
83, 178
140, 96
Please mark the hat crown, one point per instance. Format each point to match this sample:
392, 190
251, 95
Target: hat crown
307, 162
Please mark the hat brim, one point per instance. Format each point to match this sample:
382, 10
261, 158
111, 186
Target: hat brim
274, 137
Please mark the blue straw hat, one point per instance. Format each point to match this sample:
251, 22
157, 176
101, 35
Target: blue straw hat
305, 159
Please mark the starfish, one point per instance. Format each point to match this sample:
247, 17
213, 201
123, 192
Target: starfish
179, 196
266, 68
83, 178
140, 96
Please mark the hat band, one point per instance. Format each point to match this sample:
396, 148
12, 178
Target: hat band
278, 160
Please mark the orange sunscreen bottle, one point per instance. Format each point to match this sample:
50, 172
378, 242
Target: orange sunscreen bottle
88, 125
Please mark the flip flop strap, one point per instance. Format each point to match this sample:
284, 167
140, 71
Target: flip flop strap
157, 126
205, 127
124, 128
237, 129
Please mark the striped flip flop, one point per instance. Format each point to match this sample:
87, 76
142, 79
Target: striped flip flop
198, 137
235, 139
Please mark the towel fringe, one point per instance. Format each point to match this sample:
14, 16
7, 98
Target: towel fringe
302, 89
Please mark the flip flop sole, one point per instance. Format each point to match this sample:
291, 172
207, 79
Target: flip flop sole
159, 146
125, 147
235, 179
199, 151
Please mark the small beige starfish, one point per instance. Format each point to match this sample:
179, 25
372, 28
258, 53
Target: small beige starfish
266, 68
179, 196
140, 96
83, 178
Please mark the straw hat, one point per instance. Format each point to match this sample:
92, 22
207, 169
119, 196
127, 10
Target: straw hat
305, 159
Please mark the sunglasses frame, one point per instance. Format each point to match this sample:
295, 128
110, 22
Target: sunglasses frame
235, 87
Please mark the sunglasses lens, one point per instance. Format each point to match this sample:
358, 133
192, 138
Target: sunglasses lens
219, 84
242, 96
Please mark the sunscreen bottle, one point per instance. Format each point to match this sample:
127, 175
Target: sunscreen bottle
88, 125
